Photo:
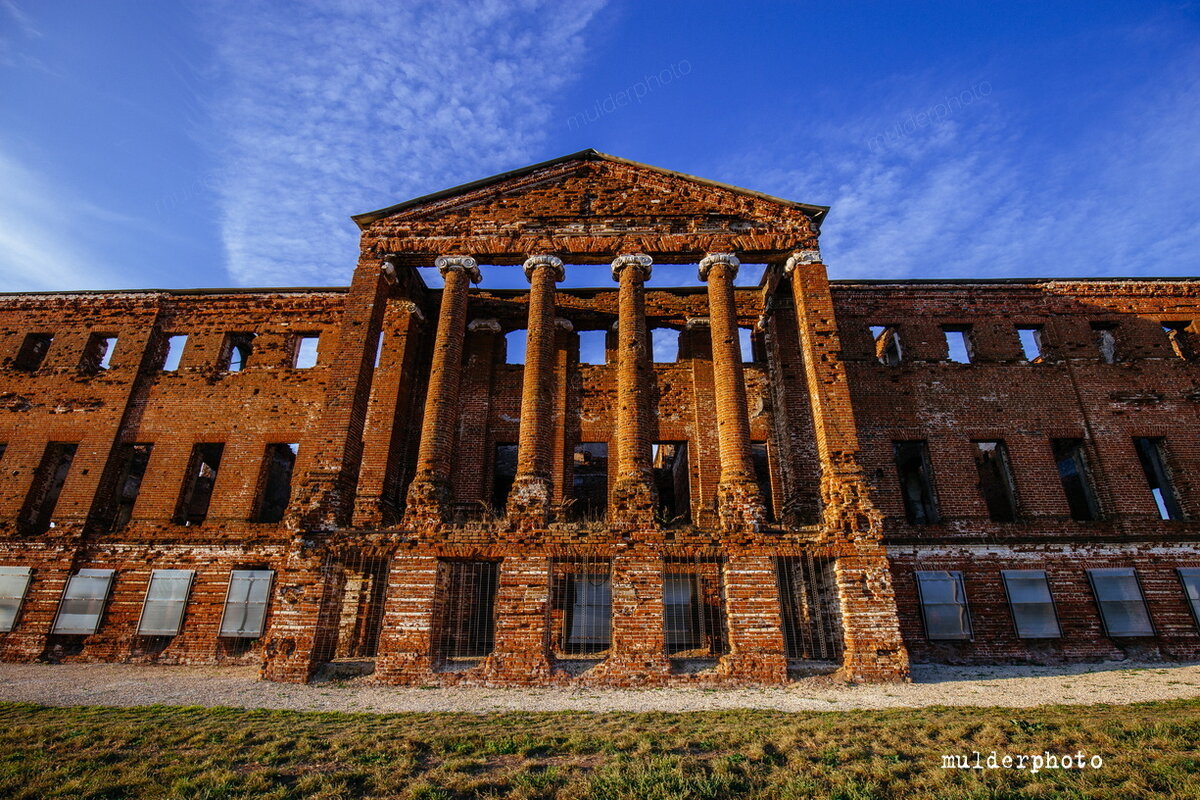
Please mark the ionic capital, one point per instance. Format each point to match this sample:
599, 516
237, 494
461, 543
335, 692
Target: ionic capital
714, 259
638, 261
553, 262
489, 325
807, 256
564, 324
465, 263
697, 322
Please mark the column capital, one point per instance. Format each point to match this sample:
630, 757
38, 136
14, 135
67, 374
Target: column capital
639, 261
465, 263
489, 325
563, 324
553, 262
713, 259
810, 255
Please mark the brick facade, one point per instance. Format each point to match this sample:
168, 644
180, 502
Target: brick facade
403, 546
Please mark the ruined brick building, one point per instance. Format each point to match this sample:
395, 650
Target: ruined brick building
816, 475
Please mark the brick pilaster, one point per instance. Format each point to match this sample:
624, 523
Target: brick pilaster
522, 650
756, 645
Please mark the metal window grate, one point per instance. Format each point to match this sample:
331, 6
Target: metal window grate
694, 608
467, 590
581, 607
808, 599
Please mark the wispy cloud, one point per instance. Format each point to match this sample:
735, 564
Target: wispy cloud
328, 109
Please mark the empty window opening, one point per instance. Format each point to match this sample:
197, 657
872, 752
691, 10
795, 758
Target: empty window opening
664, 343
174, 351
582, 606
133, 461
307, 350
887, 344
166, 600
1105, 336
14, 583
83, 602
514, 346
693, 609
38, 514
671, 480
762, 474
916, 482
1188, 576
746, 343
467, 619
589, 481
958, 343
3, 449
235, 354
593, 347
1152, 453
378, 350
809, 601
1076, 479
198, 483
1031, 342
1177, 336
97, 353
246, 600
996, 480
1031, 603
278, 465
504, 472
360, 619
943, 597
33, 351
1122, 606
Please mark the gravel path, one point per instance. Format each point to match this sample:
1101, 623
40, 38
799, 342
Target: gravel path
1012, 686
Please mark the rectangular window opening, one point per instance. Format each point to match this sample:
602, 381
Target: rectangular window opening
83, 602
467, 619
664, 343
1152, 455
1031, 603
198, 484
916, 482
1122, 606
759, 456
583, 606
693, 609
1076, 479
33, 351
48, 482
504, 472
306, 350
672, 480
996, 480
1031, 342
958, 343
97, 353
173, 353
514, 346
378, 350
1105, 336
246, 601
887, 344
589, 481
14, 583
134, 458
276, 482
593, 347
166, 600
943, 597
746, 343
809, 601
1190, 578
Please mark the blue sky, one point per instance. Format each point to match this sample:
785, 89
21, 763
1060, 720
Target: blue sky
150, 144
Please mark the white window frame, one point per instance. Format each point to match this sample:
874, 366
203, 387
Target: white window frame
81, 579
1100, 604
1025, 574
21, 576
243, 632
186, 575
956, 577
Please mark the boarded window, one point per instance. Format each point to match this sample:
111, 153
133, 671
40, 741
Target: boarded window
246, 603
514, 346
97, 353
134, 458
14, 583
467, 623
1177, 337
887, 344
693, 609
504, 472
166, 599
1190, 578
235, 354
671, 480
944, 605
1105, 336
198, 483
664, 344
762, 474
1152, 454
593, 347
959, 347
916, 481
173, 353
584, 594
278, 465
996, 480
83, 602
33, 351
1076, 478
589, 481
808, 598
1031, 603
1031, 342
38, 513
306, 350
1122, 607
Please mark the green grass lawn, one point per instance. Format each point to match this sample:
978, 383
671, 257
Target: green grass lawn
1149, 750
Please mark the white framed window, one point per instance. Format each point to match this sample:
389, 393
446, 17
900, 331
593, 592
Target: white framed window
166, 599
1031, 603
246, 603
14, 583
1122, 607
944, 605
1190, 578
83, 602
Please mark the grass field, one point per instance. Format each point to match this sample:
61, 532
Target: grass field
1149, 750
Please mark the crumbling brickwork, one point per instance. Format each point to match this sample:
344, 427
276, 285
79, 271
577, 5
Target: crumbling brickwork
449, 517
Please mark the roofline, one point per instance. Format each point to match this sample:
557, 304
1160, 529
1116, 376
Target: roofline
899, 282
366, 218
239, 290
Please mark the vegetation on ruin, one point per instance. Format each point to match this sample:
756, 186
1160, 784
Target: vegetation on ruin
1149, 750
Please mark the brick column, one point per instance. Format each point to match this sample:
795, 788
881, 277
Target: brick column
739, 502
637, 655
755, 621
874, 650
522, 650
429, 493
529, 501
633, 497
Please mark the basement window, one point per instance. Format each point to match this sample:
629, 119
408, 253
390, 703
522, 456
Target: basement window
959, 347
48, 481
943, 599
996, 480
1076, 479
664, 344
33, 351
133, 458
514, 346
671, 479
1122, 606
174, 351
1031, 342
504, 472
235, 353
97, 353
586, 599
1188, 576
468, 609
916, 481
1105, 336
306, 350
14, 583
246, 603
589, 481
166, 599
593, 347
276, 482
83, 602
198, 485
1152, 453
1031, 603
762, 474
887, 344
1177, 336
